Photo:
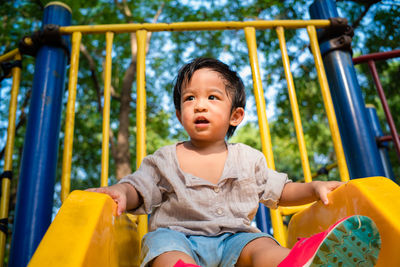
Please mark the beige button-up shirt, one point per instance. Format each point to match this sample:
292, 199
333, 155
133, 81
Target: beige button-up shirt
191, 205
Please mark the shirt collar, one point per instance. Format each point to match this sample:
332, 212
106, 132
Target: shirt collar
229, 172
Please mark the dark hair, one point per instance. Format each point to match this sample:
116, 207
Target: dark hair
234, 84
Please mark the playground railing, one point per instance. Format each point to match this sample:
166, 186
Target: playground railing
7, 173
142, 30
370, 60
250, 35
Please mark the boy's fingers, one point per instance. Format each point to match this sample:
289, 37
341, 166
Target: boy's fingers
323, 196
102, 190
120, 209
121, 204
336, 184
324, 199
97, 190
91, 190
114, 194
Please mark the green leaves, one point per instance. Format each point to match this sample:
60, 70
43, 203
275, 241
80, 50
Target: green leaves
377, 31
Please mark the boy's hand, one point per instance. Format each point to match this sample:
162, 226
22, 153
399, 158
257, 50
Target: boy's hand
117, 192
303, 193
321, 189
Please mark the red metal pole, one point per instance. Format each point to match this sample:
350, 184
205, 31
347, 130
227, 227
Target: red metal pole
372, 67
376, 56
385, 138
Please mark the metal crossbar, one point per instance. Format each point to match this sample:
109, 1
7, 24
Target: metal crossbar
195, 26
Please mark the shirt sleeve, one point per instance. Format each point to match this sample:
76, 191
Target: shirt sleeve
145, 180
270, 183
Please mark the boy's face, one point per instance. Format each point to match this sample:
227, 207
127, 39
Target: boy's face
206, 107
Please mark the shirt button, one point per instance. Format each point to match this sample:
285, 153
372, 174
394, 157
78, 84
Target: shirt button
216, 189
219, 211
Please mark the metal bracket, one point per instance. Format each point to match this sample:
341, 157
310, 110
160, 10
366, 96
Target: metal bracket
6, 174
4, 225
6, 68
50, 35
337, 36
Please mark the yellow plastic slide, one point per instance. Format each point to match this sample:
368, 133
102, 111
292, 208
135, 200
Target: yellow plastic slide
86, 231
376, 197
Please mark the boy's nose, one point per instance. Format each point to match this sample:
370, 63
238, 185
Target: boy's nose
200, 106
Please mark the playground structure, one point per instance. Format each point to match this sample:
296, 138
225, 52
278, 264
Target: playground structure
86, 225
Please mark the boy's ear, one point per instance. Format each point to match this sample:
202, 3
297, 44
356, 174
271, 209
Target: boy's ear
237, 116
178, 115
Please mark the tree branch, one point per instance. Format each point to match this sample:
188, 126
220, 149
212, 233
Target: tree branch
92, 67
156, 16
112, 143
367, 5
96, 83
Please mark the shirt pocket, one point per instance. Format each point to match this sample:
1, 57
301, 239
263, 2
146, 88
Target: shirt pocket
243, 196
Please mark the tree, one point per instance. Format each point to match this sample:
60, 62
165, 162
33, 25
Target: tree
375, 28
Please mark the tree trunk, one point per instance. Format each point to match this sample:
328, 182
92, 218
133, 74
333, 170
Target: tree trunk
120, 151
122, 155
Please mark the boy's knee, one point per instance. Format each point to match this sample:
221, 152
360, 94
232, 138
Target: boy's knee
262, 251
170, 258
162, 245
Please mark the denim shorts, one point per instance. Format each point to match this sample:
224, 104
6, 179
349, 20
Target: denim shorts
208, 251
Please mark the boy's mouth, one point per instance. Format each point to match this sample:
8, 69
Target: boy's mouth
201, 120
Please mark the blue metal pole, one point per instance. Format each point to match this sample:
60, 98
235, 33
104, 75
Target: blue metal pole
263, 219
39, 158
383, 147
358, 141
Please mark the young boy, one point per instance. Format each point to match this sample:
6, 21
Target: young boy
203, 193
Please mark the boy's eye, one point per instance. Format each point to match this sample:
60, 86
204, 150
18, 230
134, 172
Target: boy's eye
212, 97
189, 98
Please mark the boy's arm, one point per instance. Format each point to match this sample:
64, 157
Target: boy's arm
124, 194
303, 193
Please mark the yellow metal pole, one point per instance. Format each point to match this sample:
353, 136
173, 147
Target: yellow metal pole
194, 26
70, 116
266, 143
106, 111
141, 37
6, 181
293, 209
10, 55
250, 33
295, 108
326, 95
